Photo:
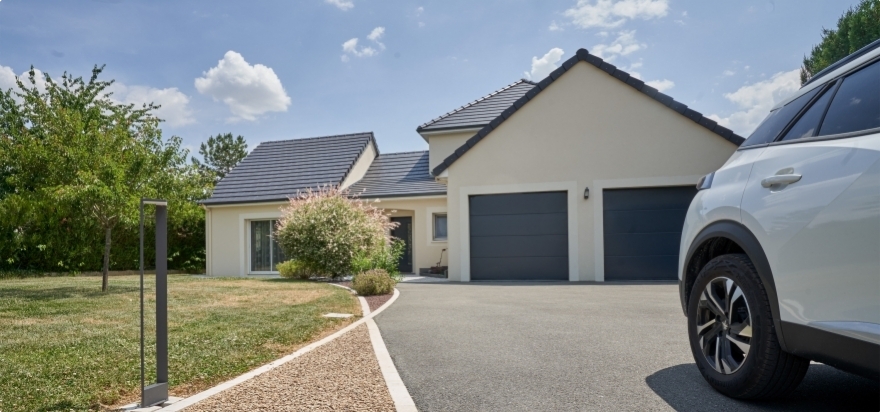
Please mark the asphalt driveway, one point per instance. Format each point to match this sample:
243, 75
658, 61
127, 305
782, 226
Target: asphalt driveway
557, 347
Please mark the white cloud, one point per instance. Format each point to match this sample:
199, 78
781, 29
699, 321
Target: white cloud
546, 64
420, 10
351, 45
684, 13
343, 5
756, 100
661, 85
608, 13
248, 90
7, 78
728, 73
602, 34
554, 26
679, 22
623, 45
174, 104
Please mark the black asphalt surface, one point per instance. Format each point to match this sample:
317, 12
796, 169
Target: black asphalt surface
569, 347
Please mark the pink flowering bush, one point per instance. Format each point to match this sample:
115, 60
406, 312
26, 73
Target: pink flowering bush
326, 231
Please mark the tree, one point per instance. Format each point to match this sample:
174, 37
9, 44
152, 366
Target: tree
856, 28
221, 154
71, 152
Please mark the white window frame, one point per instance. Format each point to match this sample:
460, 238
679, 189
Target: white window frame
431, 212
244, 235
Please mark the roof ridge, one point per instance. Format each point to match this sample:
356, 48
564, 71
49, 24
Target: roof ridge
583, 55
435, 120
317, 137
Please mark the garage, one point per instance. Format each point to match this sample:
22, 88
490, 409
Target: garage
519, 236
642, 231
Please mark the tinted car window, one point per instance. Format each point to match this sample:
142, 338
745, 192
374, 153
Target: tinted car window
807, 125
778, 119
856, 106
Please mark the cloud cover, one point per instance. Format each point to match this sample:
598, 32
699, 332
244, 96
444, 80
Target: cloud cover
248, 90
756, 100
608, 13
546, 64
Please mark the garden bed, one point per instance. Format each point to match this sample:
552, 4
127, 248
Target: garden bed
64, 345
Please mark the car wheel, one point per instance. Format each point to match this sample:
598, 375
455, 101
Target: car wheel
732, 334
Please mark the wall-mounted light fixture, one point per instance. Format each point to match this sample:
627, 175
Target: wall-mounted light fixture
586, 193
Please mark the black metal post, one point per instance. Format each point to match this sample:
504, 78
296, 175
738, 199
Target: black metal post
158, 392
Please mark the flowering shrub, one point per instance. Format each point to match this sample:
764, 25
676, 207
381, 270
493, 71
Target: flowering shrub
373, 282
385, 257
327, 231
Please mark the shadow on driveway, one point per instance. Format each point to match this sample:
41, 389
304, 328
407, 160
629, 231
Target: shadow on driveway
823, 389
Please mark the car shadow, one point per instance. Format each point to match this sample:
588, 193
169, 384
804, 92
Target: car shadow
823, 389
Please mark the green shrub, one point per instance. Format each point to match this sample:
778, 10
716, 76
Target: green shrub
293, 269
385, 257
373, 282
327, 230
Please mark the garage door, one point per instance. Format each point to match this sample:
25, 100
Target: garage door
643, 230
519, 236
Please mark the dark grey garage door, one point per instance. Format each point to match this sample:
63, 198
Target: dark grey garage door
643, 231
519, 236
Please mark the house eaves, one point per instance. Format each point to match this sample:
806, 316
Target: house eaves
583, 56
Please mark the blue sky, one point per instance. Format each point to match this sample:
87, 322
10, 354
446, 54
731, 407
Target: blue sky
290, 69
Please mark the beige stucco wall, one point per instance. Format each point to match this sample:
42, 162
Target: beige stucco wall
361, 165
227, 232
586, 130
441, 145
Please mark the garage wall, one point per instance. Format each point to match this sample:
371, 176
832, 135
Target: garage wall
591, 130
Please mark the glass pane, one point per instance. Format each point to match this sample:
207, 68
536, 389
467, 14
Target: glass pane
856, 105
277, 253
778, 119
807, 125
439, 226
260, 258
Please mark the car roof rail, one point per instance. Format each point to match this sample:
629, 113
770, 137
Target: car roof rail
840, 63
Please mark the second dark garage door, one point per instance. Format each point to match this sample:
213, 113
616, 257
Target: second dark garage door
642, 229
519, 236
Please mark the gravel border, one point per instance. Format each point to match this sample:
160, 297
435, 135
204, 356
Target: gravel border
376, 301
341, 375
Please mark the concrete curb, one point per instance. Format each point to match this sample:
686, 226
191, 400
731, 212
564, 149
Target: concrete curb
403, 402
192, 400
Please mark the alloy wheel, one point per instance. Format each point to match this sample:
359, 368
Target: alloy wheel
724, 325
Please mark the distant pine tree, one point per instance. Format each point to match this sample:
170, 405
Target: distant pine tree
857, 27
220, 154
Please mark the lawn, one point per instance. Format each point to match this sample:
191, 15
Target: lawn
64, 345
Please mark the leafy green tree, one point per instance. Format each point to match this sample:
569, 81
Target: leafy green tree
221, 153
857, 27
72, 154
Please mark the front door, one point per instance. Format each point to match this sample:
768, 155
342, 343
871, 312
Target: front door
403, 231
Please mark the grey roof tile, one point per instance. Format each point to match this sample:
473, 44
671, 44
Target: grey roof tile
398, 175
479, 112
279, 169
584, 55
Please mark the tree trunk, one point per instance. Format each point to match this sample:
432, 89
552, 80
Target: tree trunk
106, 272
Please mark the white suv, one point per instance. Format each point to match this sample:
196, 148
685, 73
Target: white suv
780, 253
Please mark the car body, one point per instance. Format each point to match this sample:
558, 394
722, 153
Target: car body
798, 206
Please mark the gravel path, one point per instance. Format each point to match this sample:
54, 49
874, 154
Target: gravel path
377, 301
342, 375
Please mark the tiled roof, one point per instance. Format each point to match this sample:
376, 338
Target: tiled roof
480, 112
276, 170
398, 175
583, 55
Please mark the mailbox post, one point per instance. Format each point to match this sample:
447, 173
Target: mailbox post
157, 393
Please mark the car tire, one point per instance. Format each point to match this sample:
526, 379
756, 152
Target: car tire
732, 334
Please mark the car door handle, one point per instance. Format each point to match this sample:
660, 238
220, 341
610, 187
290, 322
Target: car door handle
786, 179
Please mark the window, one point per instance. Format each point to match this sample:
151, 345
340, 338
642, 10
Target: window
265, 252
808, 124
440, 226
778, 119
856, 106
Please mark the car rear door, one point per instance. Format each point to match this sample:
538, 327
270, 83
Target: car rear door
813, 202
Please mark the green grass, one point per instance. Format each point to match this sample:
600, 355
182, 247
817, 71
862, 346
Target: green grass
65, 345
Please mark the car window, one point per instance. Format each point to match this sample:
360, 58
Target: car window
856, 106
778, 119
807, 125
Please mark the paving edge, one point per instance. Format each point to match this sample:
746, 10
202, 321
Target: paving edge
403, 402
194, 399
